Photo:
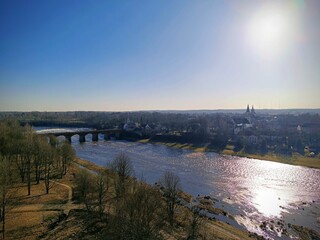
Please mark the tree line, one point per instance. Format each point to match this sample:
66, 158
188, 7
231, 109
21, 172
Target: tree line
28, 158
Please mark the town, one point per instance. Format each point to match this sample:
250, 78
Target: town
248, 131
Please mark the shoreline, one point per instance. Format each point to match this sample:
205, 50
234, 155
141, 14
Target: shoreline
223, 228
219, 219
295, 160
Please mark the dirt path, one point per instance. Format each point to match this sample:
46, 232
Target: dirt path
69, 205
39, 207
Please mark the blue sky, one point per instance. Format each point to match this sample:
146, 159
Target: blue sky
149, 55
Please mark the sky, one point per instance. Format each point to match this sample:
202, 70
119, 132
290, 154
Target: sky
158, 55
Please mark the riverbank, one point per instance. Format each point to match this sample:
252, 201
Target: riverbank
296, 159
216, 221
210, 228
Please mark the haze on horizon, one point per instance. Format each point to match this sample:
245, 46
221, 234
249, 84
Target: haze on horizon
161, 55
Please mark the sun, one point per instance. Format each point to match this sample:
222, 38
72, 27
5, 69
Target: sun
268, 30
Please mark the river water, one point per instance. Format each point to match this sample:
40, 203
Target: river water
251, 190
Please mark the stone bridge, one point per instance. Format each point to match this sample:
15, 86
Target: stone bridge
116, 133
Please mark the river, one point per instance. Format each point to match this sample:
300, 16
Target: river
251, 190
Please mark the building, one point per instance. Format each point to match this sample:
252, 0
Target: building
250, 115
129, 126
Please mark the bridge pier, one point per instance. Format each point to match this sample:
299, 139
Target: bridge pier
68, 138
117, 135
95, 137
106, 137
82, 138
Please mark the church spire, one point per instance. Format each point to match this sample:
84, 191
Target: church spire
248, 109
252, 110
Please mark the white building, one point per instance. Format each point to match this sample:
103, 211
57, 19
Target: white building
130, 126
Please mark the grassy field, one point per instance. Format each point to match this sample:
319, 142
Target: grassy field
32, 215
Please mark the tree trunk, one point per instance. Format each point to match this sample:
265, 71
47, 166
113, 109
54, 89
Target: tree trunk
21, 167
47, 183
47, 188
47, 179
3, 218
28, 176
37, 174
64, 166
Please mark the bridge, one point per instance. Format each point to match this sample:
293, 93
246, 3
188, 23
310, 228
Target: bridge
108, 133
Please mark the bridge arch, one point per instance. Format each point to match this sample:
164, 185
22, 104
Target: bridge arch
61, 138
95, 135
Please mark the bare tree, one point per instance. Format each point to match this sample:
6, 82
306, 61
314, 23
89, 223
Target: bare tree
193, 230
67, 155
124, 169
37, 159
6, 194
10, 139
122, 165
171, 184
21, 151
27, 151
92, 190
84, 188
102, 186
40, 144
49, 156
139, 215
21, 164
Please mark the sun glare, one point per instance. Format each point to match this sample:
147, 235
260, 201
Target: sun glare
269, 30
268, 202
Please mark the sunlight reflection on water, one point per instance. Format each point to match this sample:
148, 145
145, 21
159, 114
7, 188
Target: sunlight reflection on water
267, 202
258, 189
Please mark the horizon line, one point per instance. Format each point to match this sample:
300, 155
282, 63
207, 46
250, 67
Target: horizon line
157, 110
